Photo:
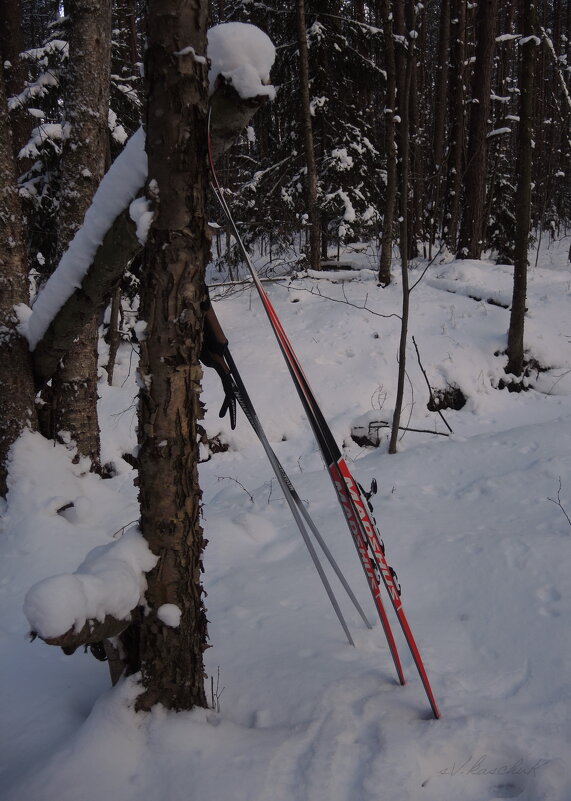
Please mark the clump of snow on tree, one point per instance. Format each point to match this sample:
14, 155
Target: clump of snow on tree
169, 614
243, 55
142, 215
110, 581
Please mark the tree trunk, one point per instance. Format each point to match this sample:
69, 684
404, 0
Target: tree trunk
439, 129
473, 223
523, 191
405, 59
312, 208
390, 146
11, 46
172, 293
83, 165
17, 407
457, 124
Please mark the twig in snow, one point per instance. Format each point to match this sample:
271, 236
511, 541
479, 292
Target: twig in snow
235, 480
558, 502
319, 293
430, 263
122, 529
422, 370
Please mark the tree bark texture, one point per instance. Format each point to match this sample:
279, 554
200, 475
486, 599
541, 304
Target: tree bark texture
15, 73
523, 191
473, 221
440, 117
312, 207
74, 395
390, 146
405, 59
17, 407
173, 292
457, 123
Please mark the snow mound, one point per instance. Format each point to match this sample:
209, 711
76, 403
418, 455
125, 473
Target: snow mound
243, 55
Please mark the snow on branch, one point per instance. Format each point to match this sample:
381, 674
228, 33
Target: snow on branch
105, 589
117, 189
243, 55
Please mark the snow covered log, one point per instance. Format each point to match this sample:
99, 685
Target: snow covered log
120, 244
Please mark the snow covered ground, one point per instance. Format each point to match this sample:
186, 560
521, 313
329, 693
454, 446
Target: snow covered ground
470, 523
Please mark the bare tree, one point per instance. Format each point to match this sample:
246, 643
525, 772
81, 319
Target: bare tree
405, 57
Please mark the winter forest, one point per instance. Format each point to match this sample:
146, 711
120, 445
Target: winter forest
271, 270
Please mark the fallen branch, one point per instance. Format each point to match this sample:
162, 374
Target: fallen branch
432, 398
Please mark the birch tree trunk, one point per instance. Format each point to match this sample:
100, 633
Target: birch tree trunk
173, 292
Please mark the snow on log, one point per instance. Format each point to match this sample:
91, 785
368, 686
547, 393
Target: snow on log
96, 601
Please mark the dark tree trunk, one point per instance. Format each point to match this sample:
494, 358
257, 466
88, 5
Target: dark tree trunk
390, 146
473, 220
74, 395
173, 292
439, 128
17, 407
523, 191
11, 46
457, 124
312, 208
